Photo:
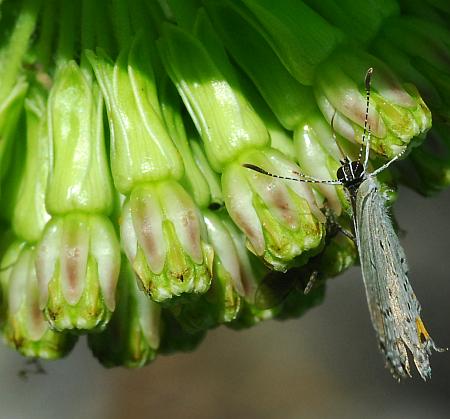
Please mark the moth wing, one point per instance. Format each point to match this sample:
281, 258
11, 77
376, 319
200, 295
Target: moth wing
394, 309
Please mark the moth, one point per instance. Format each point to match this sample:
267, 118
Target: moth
393, 306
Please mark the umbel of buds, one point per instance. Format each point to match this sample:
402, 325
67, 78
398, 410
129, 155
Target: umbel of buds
127, 129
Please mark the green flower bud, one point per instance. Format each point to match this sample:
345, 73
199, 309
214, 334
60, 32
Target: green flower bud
80, 179
13, 50
280, 218
141, 149
25, 328
423, 9
419, 52
162, 234
299, 36
11, 248
30, 214
251, 268
184, 12
339, 254
223, 117
226, 262
286, 295
10, 112
193, 179
175, 338
9, 187
250, 315
427, 169
222, 302
78, 261
212, 178
131, 338
280, 138
441, 5
287, 98
360, 22
318, 156
297, 302
397, 113
278, 294
199, 179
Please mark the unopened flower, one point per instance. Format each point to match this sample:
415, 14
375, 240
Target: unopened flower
132, 336
77, 264
162, 232
25, 327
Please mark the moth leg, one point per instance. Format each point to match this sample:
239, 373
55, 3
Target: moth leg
347, 233
312, 280
33, 367
333, 227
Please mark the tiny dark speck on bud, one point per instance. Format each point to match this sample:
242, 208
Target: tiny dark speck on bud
214, 206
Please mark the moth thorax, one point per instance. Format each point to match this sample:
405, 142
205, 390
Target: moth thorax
351, 173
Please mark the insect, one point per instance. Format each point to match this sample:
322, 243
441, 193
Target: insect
393, 306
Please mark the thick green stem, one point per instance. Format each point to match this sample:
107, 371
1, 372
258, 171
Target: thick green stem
157, 14
121, 22
67, 32
88, 23
44, 45
141, 21
103, 29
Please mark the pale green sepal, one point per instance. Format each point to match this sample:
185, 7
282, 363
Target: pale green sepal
225, 120
212, 178
79, 178
193, 179
141, 148
287, 98
30, 214
10, 111
298, 35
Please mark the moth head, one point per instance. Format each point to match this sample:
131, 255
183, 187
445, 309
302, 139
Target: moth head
349, 171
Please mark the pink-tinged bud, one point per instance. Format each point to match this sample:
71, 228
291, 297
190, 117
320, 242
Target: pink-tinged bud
78, 262
25, 327
132, 336
280, 218
163, 236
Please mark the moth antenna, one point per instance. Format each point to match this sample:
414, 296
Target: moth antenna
307, 179
386, 165
344, 158
367, 81
366, 158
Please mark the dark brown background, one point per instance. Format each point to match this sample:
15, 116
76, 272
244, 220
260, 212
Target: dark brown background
324, 365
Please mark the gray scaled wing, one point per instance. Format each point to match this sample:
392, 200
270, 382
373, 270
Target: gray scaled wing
393, 306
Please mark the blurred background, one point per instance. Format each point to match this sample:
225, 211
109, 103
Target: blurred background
324, 365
